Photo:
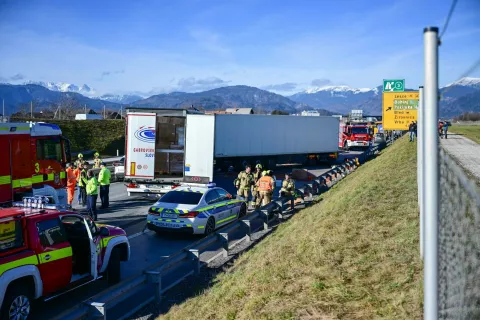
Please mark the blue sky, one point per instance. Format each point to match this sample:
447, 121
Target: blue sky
193, 45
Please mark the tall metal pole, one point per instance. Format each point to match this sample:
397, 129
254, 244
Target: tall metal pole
432, 203
420, 168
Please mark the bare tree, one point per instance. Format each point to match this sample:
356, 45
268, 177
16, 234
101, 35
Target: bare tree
66, 108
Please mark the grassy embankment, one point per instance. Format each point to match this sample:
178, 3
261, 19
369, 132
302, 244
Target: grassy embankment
354, 255
471, 132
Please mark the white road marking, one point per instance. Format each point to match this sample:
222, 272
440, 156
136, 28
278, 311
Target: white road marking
138, 234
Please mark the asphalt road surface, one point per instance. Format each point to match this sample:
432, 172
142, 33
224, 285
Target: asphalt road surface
147, 248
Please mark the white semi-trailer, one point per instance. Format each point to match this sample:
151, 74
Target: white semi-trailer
167, 147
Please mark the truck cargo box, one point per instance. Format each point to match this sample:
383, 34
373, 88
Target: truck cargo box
265, 135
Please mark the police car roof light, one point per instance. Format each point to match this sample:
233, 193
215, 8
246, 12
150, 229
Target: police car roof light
211, 185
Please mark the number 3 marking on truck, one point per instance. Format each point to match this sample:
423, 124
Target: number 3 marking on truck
37, 167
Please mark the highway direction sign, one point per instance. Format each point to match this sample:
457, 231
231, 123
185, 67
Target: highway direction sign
397, 85
399, 109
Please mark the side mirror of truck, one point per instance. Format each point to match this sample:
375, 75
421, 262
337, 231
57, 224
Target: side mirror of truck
104, 232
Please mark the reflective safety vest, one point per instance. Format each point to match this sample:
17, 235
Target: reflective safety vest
82, 181
265, 183
104, 177
92, 186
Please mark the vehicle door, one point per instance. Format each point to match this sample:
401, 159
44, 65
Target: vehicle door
219, 209
97, 242
95, 251
54, 254
231, 208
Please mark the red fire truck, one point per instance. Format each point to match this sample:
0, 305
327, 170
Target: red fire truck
32, 161
355, 136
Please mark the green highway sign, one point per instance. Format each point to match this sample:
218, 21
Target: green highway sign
396, 85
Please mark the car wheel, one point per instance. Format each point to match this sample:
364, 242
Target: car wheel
17, 304
243, 211
210, 226
113, 269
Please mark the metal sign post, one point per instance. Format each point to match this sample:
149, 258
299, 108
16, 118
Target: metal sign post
420, 169
431, 176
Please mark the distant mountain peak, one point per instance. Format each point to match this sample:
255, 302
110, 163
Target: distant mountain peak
339, 89
466, 82
65, 87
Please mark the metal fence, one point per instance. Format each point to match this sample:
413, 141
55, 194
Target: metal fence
458, 243
449, 205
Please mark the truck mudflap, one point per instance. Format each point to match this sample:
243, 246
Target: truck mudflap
110, 243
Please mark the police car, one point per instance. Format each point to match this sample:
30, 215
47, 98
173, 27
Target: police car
194, 210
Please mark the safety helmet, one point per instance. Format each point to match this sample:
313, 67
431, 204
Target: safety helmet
264, 173
96, 154
80, 155
258, 166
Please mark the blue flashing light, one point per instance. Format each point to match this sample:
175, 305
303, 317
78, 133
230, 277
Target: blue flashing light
211, 185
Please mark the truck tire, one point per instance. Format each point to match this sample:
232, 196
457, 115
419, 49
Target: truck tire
113, 269
17, 300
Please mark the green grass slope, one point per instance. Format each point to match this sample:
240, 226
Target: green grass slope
471, 132
353, 255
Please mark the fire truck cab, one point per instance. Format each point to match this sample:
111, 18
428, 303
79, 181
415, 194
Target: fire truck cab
32, 162
355, 136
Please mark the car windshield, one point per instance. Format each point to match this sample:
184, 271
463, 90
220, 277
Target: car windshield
182, 197
360, 130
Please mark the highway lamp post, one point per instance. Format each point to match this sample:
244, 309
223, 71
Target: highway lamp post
431, 175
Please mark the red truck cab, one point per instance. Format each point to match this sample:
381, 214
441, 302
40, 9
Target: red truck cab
45, 252
355, 136
33, 161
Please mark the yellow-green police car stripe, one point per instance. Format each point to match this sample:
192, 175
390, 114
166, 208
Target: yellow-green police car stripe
32, 260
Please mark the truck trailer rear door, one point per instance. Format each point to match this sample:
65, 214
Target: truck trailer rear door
199, 147
140, 150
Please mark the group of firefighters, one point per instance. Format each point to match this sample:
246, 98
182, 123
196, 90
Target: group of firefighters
261, 186
83, 179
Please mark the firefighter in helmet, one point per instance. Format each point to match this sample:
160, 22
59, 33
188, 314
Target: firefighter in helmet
79, 161
96, 160
266, 186
288, 190
244, 182
256, 176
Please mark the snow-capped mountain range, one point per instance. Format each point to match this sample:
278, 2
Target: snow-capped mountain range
457, 97
65, 87
87, 91
342, 99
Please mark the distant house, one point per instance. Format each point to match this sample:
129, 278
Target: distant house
239, 110
217, 112
310, 113
83, 116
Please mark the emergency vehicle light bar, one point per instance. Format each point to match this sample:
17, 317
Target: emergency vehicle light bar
37, 202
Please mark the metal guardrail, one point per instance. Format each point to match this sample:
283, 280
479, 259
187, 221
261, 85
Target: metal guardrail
96, 307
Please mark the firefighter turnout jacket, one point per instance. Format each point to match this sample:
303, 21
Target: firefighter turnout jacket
266, 184
244, 180
288, 187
